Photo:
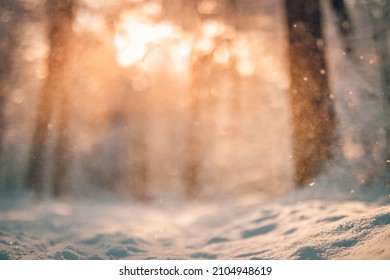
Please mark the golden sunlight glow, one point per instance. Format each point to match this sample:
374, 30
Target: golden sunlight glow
142, 40
207, 6
180, 53
152, 8
222, 55
204, 45
213, 28
245, 67
85, 20
184, 49
134, 36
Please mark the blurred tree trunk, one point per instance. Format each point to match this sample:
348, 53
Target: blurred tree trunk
6, 56
59, 14
61, 151
11, 17
193, 154
313, 115
193, 145
137, 144
138, 157
203, 74
344, 23
380, 19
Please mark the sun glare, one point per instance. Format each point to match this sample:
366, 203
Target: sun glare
135, 36
207, 6
213, 28
222, 55
142, 40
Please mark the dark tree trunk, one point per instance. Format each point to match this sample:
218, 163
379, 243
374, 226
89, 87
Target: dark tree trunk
61, 21
59, 28
138, 152
313, 115
135, 116
61, 152
6, 46
344, 23
11, 11
202, 74
193, 154
380, 19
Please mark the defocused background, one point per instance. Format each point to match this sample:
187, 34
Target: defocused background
148, 98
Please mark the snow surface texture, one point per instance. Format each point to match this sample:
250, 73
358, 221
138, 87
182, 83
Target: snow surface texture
335, 221
279, 228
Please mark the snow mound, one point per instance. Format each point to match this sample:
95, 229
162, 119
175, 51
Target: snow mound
237, 229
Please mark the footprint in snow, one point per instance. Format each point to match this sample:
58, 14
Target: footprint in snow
251, 254
345, 243
308, 253
217, 239
258, 231
122, 252
128, 241
381, 219
94, 240
290, 231
4, 255
331, 219
201, 255
262, 219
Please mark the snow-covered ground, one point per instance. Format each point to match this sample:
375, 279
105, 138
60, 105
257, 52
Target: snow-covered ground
245, 228
334, 218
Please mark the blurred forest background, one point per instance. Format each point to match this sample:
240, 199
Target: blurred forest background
152, 97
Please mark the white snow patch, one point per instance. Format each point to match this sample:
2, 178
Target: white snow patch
242, 228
